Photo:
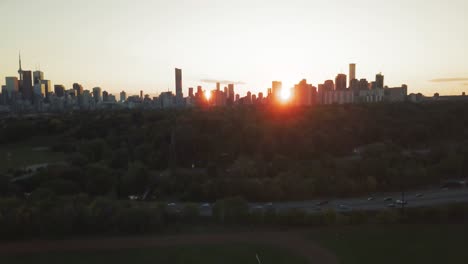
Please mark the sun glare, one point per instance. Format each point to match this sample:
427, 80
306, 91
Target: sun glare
285, 95
207, 95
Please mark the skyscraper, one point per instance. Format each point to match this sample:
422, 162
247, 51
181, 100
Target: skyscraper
78, 88
190, 92
340, 82
38, 76
97, 94
123, 96
230, 93
48, 87
352, 73
12, 85
276, 88
59, 90
20, 70
379, 81
26, 86
178, 80
329, 85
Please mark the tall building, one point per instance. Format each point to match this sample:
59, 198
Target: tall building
105, 96
141, 94
190, 92
12, 85
178, 81
329, 85
20, 70
218, 86
303, 93
78, 88
363, 84
123, 96
230, 92
276, 88
352, 73
340, 82
97, 94
26, 88
48, 87
59, 90
38, 76
379, 81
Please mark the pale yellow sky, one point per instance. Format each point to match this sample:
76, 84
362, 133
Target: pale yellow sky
135, 45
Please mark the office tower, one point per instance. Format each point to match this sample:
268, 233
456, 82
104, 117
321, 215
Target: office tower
105, 96
218, 86
354, 85
26, 88
199, 91
59, 90
12, 86
379, 81
38, 76
340, 82
248, 98
178, 80
373, 85
352, 73
230, 93
363, 84
78, 88
123, 96
141, 94
191, 92
39, 90
225, 90
97, 94
303, 93
329, 85
276, 88
48, 87
260, 97
254, 99
237, 97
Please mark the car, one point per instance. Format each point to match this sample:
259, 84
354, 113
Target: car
370, 199
401, 202
388, 199
322, 203
205, 205
344, 207
419, 195
171, 204
391, 205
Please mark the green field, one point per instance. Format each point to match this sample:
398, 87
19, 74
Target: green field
208, 254
27, 153
397, 244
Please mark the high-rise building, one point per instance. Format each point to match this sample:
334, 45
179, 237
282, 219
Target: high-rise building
12, 85
105, 96
354, 85
329, 85
352, 73
178, 81
20, 70
26, 87
276, 88
379, 81
340, 82
305, 94
38, 76
97, 94
78, 88
218, 86
39, 90
363, 84
230, 93
123, 96
59, 90
190, 92
48, 87
141, 94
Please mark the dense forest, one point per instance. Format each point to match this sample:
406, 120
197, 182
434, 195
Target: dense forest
260, 153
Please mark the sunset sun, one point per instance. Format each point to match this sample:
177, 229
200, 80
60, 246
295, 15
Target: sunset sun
285, 95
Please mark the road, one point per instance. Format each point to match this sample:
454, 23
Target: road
431, 197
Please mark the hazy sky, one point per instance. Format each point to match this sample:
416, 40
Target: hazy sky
135, 45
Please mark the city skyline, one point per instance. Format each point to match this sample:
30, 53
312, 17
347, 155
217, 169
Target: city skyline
132, 48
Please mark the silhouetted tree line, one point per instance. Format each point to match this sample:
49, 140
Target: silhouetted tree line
261, 153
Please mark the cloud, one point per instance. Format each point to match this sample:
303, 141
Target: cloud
465, 84
441, 80
222, 81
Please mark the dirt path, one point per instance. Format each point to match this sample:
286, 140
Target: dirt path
295, 242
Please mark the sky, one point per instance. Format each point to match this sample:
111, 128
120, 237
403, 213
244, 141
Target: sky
135, 45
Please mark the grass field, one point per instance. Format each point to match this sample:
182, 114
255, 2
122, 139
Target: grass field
397, 244
26, 153
208, 254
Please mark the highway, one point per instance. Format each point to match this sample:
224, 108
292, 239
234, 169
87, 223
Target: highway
429, 198
422, 198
